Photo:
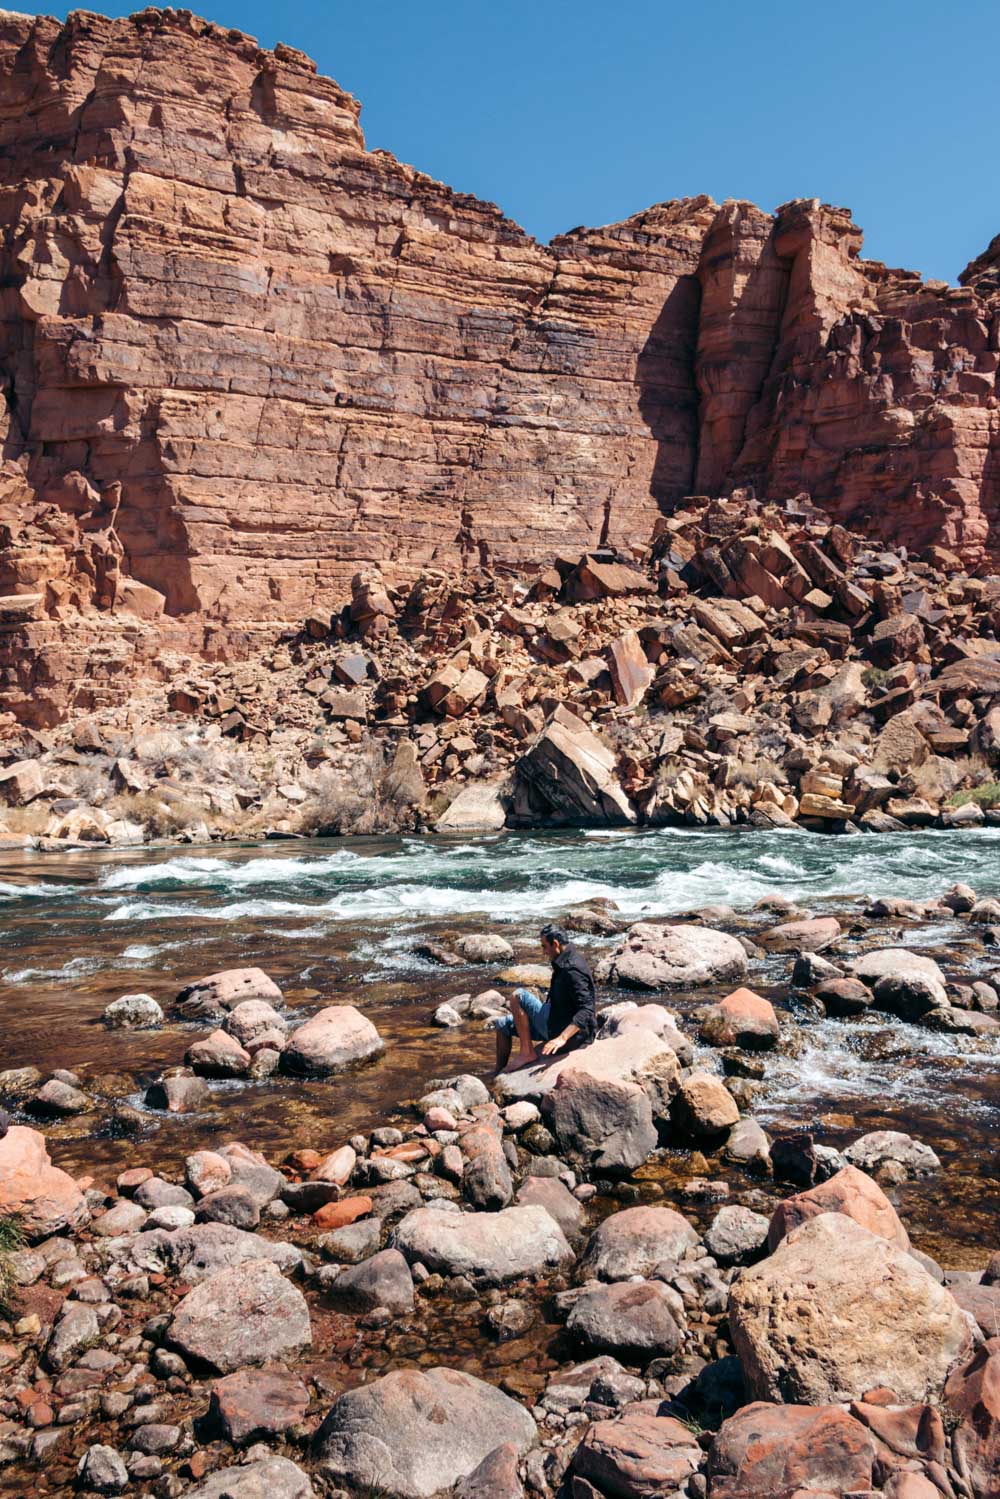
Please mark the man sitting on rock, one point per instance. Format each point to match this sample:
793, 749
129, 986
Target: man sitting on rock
568, 1018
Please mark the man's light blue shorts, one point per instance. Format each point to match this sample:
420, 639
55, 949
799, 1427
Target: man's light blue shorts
537, 1011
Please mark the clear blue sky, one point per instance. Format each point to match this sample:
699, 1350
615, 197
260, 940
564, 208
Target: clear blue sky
585, 112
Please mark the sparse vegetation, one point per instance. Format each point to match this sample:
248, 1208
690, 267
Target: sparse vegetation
373, 796
875, 676
209, 763
986, 795
754, 772
11, 1239
161, 819
30, 821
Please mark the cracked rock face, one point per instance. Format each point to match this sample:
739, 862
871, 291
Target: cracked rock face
239, 1317
246, 355
806, 1328
416, 1433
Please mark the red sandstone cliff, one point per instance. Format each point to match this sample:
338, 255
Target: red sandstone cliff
267, 356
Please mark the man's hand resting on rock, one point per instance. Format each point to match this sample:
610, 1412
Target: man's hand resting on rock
558, 1042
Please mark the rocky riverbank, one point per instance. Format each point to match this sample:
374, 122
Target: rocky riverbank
508, 1290
752, 665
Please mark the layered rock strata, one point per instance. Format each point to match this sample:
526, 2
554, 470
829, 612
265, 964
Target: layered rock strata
242, 355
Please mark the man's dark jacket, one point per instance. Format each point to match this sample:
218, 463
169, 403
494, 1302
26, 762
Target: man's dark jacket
571, 995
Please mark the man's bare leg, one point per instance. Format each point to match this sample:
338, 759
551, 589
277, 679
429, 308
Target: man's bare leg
522, 1025
504, 1042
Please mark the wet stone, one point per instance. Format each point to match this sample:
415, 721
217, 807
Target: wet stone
352, 1243
254, 1404
157, 1193
234, 1205
103, 1470
384, 1280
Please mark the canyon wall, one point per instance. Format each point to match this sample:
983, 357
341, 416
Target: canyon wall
254, 356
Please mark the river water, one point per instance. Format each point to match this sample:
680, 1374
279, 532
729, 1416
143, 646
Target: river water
335, 921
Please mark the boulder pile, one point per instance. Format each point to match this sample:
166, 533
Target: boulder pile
751, 663
252, 1330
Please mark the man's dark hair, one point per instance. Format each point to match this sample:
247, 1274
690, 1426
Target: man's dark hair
553, 933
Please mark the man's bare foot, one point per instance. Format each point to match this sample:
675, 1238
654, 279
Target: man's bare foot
528, 1060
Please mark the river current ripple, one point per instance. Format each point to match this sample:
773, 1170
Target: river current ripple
334, 921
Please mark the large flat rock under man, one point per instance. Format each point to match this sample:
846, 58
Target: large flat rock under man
638, 1056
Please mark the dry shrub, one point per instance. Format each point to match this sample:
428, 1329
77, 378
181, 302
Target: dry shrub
31, 821
90, 784
205, 764
369, 796
753, 772
160, 819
